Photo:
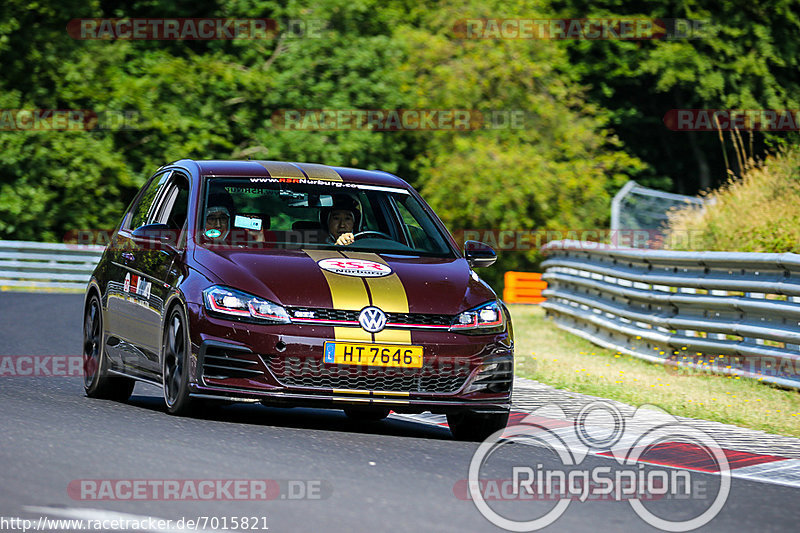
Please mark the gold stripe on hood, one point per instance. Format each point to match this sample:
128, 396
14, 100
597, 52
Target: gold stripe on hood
347, 292
389, 294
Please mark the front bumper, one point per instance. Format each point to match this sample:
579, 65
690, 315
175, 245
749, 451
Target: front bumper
283, 365
340, 399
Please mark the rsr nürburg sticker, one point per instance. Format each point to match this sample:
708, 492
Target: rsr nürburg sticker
355, 267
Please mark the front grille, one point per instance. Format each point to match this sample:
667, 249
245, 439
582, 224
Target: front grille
421, 319
313, 373
325, 314
219, 363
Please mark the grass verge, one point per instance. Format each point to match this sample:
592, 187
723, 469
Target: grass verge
18, 288
552, 356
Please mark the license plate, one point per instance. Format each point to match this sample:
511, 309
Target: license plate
351, 353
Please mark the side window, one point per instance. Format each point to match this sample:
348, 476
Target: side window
173, 206
144, 208
412, 228
369, 220
418, 226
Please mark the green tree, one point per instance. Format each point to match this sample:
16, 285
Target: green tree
559, 171
745, 56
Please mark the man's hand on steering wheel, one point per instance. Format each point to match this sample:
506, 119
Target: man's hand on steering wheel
345, 239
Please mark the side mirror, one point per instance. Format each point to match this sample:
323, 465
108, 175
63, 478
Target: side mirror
155, 234
478, 254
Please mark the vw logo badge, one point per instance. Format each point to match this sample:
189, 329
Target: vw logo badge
372, 319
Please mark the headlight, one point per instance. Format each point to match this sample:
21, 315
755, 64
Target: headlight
486, 318
230, 303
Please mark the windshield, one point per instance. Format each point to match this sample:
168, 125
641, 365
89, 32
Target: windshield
295, 213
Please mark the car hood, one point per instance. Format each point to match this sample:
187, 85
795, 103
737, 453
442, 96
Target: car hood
294, 278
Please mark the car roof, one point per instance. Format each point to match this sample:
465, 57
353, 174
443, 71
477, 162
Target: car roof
284, 169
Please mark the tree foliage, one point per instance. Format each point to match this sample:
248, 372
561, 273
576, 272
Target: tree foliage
593, 109
744, 55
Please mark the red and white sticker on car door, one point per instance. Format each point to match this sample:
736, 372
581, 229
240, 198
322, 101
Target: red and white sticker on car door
137, 285
355, 267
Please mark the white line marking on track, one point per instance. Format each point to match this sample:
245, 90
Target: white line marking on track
778, 472
785, 472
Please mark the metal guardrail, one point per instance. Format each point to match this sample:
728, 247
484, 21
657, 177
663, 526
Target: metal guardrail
734, 313
41, 265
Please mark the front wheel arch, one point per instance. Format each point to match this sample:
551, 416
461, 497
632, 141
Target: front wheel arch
177, 398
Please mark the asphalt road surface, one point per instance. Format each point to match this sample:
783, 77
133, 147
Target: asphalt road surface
392, 475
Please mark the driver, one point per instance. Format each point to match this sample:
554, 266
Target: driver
341, 220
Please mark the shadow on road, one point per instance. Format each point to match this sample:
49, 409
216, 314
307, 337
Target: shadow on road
255, 414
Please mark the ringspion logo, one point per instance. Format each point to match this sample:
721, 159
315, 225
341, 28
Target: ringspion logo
598, 429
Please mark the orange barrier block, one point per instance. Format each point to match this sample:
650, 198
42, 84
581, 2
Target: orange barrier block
524, 288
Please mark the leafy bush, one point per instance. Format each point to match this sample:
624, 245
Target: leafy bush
758, 213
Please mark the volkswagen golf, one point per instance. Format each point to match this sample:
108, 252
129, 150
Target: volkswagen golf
297, 284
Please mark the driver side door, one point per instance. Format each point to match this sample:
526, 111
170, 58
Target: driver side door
143, 271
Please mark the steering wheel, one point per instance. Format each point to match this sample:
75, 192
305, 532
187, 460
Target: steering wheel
376, 233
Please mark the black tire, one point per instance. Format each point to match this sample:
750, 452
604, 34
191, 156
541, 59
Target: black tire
366, 414
96, 382
469, 426
175, 363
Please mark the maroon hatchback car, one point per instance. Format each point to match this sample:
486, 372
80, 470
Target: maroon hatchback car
297, 284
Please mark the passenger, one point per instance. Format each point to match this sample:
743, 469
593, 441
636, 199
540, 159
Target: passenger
218, 216
251, 236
